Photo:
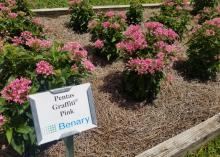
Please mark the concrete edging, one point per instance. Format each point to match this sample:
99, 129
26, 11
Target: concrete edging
64, 11
189, 140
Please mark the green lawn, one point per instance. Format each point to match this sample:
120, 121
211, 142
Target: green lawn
212, 149
63, 3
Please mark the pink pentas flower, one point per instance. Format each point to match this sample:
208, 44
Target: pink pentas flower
71, 46
210, 32
88, 65
26, 35
195, 29
122, 14
78, 54
135, 40
46, 44
165, 33
17, 90
2, 5
34, 43
99, 44
12, 15
17, 41
6, 10
145, 66
106, 24
2, 120
170, 48
214, 22
109, 14
44, 68
153, 25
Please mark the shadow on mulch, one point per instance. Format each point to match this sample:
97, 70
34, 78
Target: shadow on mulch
183, 69
113, 85
96, 59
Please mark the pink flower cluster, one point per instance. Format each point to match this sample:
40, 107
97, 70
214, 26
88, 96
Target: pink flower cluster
214, 22
153, 25
109, 14
74, 2
2, 120
210, 32
88, 65
44, 68
28, 39
12, 15
6, 9
99, 44
162, 33
120, 14
145, 66
17, 90
135, 40
78, 54
165, 47
77, 51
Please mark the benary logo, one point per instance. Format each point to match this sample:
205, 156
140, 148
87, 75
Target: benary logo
61, 126
50, 129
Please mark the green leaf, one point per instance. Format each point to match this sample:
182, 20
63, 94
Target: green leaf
9, 133
2, 101
18, 147
24, 129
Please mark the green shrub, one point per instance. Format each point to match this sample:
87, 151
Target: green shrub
81, 13
135, 13
14, 22
173, 15
201, 4
106, 31
207, 14
149, 51
204, 50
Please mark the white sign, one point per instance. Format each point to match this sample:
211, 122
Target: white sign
63, 112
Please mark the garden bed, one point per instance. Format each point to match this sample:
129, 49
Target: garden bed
127, 128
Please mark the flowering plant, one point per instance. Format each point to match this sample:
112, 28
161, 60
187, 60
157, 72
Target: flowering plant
31, 72
106, 31
200, 5
149, 51
174, 15
135, 13
81, 14
13, 21
204, 50
207, 13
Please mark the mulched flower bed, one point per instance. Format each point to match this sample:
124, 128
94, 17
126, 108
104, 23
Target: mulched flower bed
125, 127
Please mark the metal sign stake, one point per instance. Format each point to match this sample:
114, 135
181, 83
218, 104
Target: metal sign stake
69, 144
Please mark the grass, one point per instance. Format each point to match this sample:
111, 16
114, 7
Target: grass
63, 3
212, 149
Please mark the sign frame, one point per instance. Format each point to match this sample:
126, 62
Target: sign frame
63, 90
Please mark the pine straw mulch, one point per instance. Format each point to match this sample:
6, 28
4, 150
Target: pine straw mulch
127, 128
